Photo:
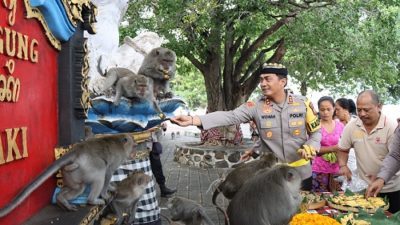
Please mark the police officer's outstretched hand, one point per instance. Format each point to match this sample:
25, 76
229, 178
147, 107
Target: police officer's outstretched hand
185, 121
246, 155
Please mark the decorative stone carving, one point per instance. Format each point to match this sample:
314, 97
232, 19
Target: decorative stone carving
200, 155
234, 157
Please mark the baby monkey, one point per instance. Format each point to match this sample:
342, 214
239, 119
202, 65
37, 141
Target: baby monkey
128, 193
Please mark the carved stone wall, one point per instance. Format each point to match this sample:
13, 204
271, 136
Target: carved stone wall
200, 155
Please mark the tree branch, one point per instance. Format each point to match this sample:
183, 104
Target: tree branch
236, 43
279, 52
246, 53
195, 62
258, 60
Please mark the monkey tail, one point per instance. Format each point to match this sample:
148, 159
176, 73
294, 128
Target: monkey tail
224, 213
205, 217
99, 70
215, 195
53, 168
111, 78
214, 201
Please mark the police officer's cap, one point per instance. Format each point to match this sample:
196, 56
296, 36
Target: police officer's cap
275, 68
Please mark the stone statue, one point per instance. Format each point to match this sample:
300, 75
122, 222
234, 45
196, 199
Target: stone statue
104, 49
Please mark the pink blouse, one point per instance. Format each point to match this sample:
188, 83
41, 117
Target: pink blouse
319, 164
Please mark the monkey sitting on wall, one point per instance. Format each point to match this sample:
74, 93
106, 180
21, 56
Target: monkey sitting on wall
187, 211
91, 162
128, 193
131, 85
160, 66
271, 197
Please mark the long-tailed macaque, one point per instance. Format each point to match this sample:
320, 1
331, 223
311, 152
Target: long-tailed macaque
240, 175
131, 85
187, 211
237, 177
160, 66
91, 162
271, 197
128, 193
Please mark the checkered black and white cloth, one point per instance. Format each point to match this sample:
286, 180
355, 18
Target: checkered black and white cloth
147, 210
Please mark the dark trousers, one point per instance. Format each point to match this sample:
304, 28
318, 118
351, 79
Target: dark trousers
394, 200
156, 168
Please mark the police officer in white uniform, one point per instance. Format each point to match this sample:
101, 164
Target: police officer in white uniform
287, 123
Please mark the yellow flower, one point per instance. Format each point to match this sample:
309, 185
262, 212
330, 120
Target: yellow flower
312, 219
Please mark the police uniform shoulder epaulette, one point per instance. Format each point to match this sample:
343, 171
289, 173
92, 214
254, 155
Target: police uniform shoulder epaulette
300, 97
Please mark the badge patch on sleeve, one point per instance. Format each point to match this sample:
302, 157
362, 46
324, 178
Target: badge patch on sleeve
312, 108
312, 120
250, 104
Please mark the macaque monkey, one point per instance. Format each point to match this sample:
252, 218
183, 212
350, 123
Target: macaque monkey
128, 193
91, 162
131, 85
160, 66
271, 197
187, 211
237, 177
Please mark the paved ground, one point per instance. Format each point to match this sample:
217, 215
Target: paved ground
191, 182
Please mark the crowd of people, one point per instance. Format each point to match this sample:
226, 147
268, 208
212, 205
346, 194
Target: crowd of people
323, 145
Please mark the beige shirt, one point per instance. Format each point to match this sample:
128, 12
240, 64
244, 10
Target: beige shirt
370, 149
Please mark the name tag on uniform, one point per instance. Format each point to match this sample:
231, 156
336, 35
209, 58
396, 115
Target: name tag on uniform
268, 117
296, 115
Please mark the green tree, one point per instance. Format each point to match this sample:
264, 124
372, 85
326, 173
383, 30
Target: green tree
227, 41
189, 84
343, 46
350, 46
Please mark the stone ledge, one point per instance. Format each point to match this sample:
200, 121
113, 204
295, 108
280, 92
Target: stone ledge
207, 156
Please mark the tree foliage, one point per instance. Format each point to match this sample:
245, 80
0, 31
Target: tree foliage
189, 84
347, 47
342, 46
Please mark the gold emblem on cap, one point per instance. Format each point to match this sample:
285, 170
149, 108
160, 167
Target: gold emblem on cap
273, 65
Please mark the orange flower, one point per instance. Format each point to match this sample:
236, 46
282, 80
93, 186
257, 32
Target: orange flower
312, 219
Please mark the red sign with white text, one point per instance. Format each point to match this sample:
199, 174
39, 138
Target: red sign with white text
28, 109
